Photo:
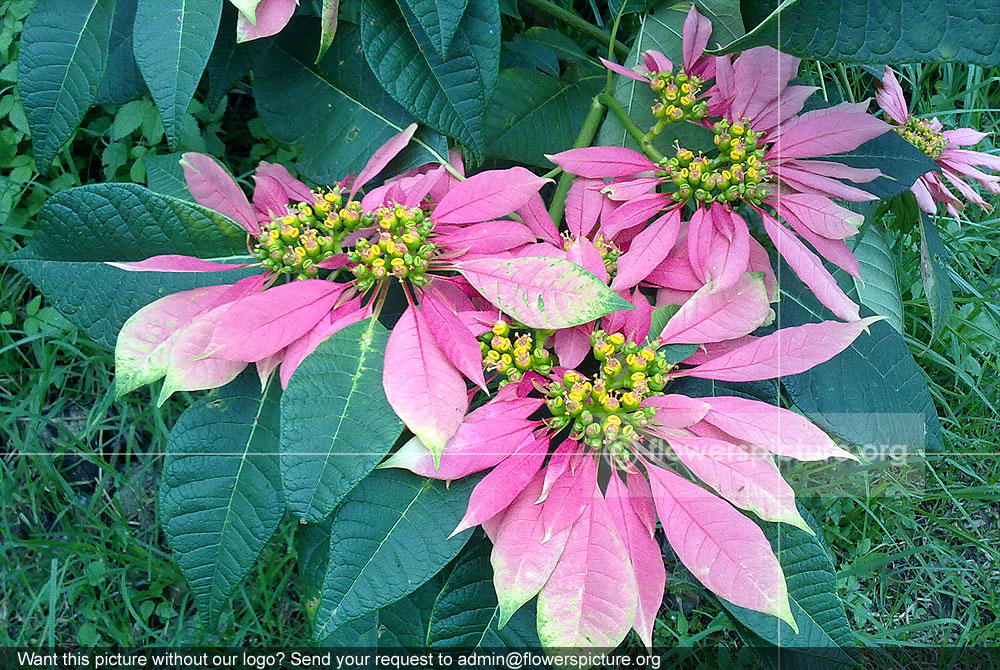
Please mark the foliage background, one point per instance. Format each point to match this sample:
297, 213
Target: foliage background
82, 558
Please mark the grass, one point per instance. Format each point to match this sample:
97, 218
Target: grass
82, 558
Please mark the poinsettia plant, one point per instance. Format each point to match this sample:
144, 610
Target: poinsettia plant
586, 302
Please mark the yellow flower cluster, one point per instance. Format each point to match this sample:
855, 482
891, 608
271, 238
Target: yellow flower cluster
604, 411
920, 134
309, 233
514, 352
401, 249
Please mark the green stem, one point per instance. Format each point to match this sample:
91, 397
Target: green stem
574, 21
583, 139
633, 130
848, 91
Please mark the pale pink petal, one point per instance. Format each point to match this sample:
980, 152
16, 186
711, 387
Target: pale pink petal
382, 156
675, 273
889, 96
583, 252
695, 35
808, 182
723, 549
676, 411
489, 237
780, 431
788, 351
572, 344
761, 262
560, 460
818, 213
710, 350
835, 251
590, 599
782, 108
294, 189
628, 188
744, 480
267, 366
583, 206
488, 195
142, 350
340, 318
647, 250
624, 71
633, 323
632, 213
269, 198
272, 16
488, 435
498, 489
422, 386
259, 325
712, 316
810, 270
829, 134
962, 137
537, 219
187, 367
454, 339
837, 170
602, 162
211, 186
566, 500
176, 263
521, 562
655, 61
759, 76
644, 556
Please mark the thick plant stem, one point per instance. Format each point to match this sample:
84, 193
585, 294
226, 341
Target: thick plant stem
574, 21
634, 131
587, 131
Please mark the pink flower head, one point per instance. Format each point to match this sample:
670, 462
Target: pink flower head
769, 157
942, 146
586, 550
416, 227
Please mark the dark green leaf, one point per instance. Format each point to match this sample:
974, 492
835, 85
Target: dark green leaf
824, 638
934, 273
80, 228
404, 622
450, 95
389, 537
335, 421
466, 613
439, 20
727, 21
900, 161
357, 114
220, 498
877, 288
623, 7
229, 61
882, 31
128, 222
122, 81
764, 391
564, 47
172, 41
528, 55
63, 54
872, 393
540, 114
165, 176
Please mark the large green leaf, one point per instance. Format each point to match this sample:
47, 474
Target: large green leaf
358, 116
882, 31
727, 21
172, 40
80, 228
336, 424
229, 60
539, 115
439, 20
122, 80
877, 288
934, 273
128, 222
390, 535
220, 498
466, 613
450, 95
899, 161
64, 51
824, 638
872, 393
165, 176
